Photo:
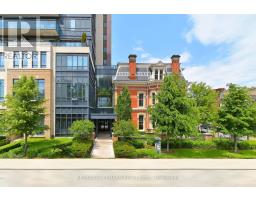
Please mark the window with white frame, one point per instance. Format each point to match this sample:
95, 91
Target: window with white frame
153, 98
24, 59
16, 59
156, 74
160, 74
141, 122
141, 99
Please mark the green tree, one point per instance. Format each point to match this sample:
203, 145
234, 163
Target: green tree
82, 129
123, 108
236, 113
124, 128
24, 110
175, 113
206, 102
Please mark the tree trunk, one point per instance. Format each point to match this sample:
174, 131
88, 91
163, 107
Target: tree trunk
26, 145
235, 143
168, 145
248, 137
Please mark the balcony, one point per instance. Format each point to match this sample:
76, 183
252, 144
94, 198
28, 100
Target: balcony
31, 27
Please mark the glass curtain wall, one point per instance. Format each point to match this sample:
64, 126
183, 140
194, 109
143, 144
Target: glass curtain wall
72, 91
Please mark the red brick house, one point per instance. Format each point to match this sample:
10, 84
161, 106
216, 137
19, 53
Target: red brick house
143, 81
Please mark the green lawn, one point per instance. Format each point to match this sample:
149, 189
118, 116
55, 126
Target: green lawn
37, 147
196, 153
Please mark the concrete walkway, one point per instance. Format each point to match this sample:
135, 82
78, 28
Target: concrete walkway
103, 147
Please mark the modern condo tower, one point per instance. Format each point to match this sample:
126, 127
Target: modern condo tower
49, 48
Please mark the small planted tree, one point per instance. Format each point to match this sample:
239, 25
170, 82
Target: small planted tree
82, 130
125, 129
236, 115
24, 110
175, 114
84, 37
123, 108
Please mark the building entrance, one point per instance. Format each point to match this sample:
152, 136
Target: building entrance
104, 126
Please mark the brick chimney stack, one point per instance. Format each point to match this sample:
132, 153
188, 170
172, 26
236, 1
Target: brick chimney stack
132, 66
175, 65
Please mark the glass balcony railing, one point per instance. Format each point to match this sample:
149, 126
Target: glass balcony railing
50, 26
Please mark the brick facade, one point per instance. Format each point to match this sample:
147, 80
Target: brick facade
146, 86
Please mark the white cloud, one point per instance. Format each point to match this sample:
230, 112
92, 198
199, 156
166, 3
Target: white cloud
185, 57
147, 57
238, 31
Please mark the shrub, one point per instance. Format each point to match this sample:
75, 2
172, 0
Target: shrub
124, 128
137, 143
201, 144
2, 137
224, 144
124, 150
147, 153
10, 146
53, 150
4, 142
82, 130
246, 145
81, 149
190, 144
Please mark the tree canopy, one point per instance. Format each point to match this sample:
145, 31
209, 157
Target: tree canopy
174, 114
123, 108
236, 116
24, 110
206, 101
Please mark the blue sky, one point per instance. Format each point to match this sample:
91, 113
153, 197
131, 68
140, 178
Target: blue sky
213, 48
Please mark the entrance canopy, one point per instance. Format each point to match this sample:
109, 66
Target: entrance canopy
111, 116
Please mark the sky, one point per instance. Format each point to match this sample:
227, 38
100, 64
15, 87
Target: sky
215, 49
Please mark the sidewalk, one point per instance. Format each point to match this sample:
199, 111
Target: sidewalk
127, 172
103, 147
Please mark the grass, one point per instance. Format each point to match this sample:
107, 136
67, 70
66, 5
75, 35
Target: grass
37, 147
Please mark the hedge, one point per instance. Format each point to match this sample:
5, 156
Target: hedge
223, 144
244, 145
81, 149
124, 150
4, 142
10, 146
189, 144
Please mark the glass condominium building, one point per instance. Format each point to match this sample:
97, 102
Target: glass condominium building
50, 48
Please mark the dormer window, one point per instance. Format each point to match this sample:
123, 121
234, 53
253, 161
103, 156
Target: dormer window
158, 74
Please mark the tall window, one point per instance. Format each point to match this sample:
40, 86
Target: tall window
141, 122
1, 90
153, 98
160, 74
41, 87
1, 60
16, 59
72, 61
141, 100
156, 74
34, 59
24, 59
43, 59
73, 24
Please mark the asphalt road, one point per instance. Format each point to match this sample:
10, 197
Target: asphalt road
125, 172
